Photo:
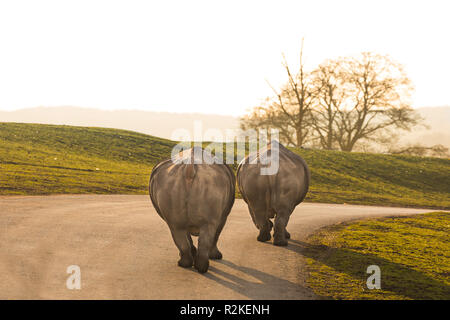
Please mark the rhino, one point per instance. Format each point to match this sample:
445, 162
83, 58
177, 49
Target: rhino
193, 194
273, 195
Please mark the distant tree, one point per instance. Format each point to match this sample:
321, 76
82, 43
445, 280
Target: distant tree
377, 96
329, 94
340, 103
420, 150
267, 116
289, 111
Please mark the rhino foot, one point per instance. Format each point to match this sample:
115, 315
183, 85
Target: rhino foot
201, 265
193, 251
264, 236
185, 262
215, 254
279, 241
287, 234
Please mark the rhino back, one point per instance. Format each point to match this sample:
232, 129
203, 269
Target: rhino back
292, 180
192, 194
283, 190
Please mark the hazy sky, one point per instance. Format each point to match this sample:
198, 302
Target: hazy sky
204, 56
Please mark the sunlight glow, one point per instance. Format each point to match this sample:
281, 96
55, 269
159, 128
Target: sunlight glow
204, 56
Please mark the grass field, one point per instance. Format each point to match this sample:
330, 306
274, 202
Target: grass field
50, 159
413, 254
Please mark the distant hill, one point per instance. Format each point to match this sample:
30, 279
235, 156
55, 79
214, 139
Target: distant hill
438, 120
53, 159
163, 124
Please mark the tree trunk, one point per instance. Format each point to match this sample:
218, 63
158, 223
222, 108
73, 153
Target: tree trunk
299, 137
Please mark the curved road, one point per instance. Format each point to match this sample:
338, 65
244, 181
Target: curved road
125, 250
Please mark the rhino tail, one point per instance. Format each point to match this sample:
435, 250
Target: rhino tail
189, 174
273, 198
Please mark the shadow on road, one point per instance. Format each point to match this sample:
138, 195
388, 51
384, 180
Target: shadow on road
268, 287
395, 277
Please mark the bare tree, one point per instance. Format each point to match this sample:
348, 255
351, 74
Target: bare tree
267, 116
329, 94
289, 111
340, 103
378, 93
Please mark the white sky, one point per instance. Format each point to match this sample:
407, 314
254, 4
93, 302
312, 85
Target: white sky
204, 56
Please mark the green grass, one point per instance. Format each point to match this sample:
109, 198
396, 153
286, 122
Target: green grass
377, 179
49, 159
413, 254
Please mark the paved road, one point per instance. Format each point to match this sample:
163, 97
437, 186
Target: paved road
125, 251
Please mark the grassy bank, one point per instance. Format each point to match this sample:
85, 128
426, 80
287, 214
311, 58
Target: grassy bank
49, 159
377, 179
413, 254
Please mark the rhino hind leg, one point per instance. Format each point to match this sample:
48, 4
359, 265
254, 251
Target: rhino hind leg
280, 234
287, 234
214, 252
181, 240
260, 218
264, 232
193, 249
205, 243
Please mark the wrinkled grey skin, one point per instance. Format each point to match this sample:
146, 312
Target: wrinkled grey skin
193, 199
273, 196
